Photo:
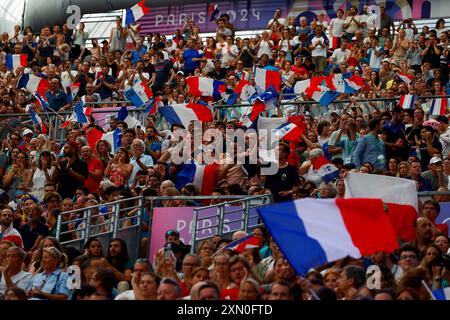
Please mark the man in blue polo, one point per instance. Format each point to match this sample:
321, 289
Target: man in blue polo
191, 57
57, 99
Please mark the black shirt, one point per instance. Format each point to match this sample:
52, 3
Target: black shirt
29, 235
83, 82
67, 185
162, 70
285, 179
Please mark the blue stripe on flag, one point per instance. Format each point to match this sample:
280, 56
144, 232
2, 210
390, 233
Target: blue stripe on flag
129, 17
171, 116
81, 117
186, 175
288, 230
117, 138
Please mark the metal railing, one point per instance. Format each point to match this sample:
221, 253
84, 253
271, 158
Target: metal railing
227, 217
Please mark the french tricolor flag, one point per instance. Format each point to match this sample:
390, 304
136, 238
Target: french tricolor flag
79, 115
139, 94
242, 244
438, 107
399, 194
245, 90
72, 91
353, 83
154, 105
289, 132
203, 176
263, 102
38, 121
405, 78
267, 77
136, 12
205, 87
114, 138
442, 293
41, 101
315, 232
123, 115
185, 113
16, 60
407, 101
213, 12
325, 168
33, 84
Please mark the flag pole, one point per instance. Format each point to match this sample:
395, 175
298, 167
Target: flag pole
428, 290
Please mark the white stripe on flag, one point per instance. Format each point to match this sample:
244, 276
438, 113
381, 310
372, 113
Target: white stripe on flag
198, 177
323, 222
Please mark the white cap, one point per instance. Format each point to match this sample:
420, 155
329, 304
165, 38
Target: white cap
26, 131
435, 160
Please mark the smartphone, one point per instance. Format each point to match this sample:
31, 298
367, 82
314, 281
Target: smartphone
168, 253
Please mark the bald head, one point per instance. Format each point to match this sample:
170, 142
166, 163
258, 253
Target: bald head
86, 153
239, 235
423, 229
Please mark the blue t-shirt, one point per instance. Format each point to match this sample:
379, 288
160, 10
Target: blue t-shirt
188, 55
56, 101
104, 92
136, 56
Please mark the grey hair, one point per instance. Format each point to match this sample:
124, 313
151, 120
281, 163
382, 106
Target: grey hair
140, 141
19, 251
314, 153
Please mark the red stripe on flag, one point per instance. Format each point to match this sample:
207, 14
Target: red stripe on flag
369, 229
93, 136
202, 112
43, 87
402, 218
145, 9
194, 86
209, 181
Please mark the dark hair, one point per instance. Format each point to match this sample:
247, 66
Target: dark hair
212, 285
19, 292
107, 279
434, 203
89, 241
408, 247
84, 291
375, 122
357, 274
121, 260
84, 189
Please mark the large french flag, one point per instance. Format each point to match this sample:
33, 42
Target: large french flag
205, 87
399, 194
267, 77
242, 244
203, 176
314, 232
16, 60
438, 107
114, 138
33, 83
407, 101
136, 12
442, 293
139, 94
38, 121
325, 169
185, 113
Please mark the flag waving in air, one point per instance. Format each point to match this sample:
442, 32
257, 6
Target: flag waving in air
205, 87
399, 194
213, 12
242, 244
16, 60
407, 101
325, 168
38, 121
185, 113
139, 94
314, 232
263, 102
203, 176
267, 77
136, 12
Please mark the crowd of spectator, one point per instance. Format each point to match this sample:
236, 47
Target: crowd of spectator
42, 178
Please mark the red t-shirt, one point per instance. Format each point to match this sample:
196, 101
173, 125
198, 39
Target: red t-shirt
230, 294
90, 183
301, 71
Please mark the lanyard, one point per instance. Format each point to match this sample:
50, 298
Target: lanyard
377, 143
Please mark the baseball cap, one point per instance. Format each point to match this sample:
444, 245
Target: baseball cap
180, 72
386, 60
354, 38
442, 118
435, 160
172, 232
27, 131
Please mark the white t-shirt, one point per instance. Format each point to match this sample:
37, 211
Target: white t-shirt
338, 26
39, 182
228, 56
375, 61
340, 56
321, 50
65, 78
145, 159
280, 20
126, 295
21, 280
264, 47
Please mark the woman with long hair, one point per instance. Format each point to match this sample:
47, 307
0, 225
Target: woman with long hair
118, 260
119, 168
43, 172
103, 151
